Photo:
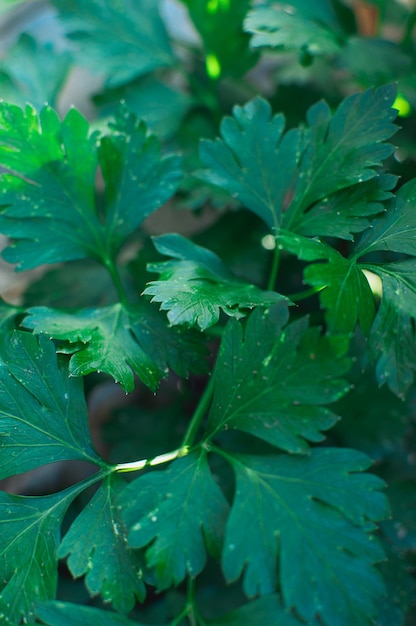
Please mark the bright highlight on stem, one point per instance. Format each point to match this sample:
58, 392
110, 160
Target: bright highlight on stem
213, 66
135, 466
402, 105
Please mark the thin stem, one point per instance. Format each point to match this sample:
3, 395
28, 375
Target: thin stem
191, 601
136, 466
199, 414
306, 293
115, 277
274, 270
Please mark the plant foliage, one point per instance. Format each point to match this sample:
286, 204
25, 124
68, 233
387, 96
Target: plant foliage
264, 344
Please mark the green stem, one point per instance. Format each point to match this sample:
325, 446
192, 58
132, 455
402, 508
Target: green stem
199, 414
115, 277
136, 466
274, 270
190, 603
306, 293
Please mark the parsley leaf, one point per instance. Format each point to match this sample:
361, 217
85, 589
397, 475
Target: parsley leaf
120, 340
97, 546
122, 40
49, 200
267, 610
257, 381
43, 411
315, 511
278, 176
197, 285
180, 512
68, 614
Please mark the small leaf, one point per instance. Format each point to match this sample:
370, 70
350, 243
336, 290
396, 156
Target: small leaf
267, 610
257, 381
194, 288
344, 290
43, 415
97, 546
315, 514
119, 340
181, 513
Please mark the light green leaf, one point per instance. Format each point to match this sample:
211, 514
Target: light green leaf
196, 286
68, 614
120, 340
33, 72
97, 546
43, 415
257, 379
344, 290
278, 176
29, 537
181, 513
118, 40
274, 27
314, 515
49, 200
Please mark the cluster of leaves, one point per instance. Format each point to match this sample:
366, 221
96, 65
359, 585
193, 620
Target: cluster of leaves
239, 511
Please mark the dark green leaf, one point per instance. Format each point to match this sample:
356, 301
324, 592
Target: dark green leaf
265, 611
120, 340
345, 292
181, 513
196, 286
374, 61
280, 176
49, 200
274, 27
315, 513
43, 416
347, 211
30, 534
68, 614
257, 381
97, 546
120, 40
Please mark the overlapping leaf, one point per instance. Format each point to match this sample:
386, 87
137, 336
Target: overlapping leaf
97, 546
43, 416
181, 513
120, 340
346, 294
195, 286
267, 610
314, 515
120, 40
281, 176
258, 376
48, 199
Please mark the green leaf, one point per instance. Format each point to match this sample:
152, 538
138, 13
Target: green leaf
344, 290
257, 378
348, 211
395, 231
181, 513
30, 534
267, 610
68, 614
120, 40
392, 346
273, 27
49, 200
33, 72
278, 176
374, 61
8, 314
220, 26
120, 340
194, 288
97, 546
43, 416
315, 514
